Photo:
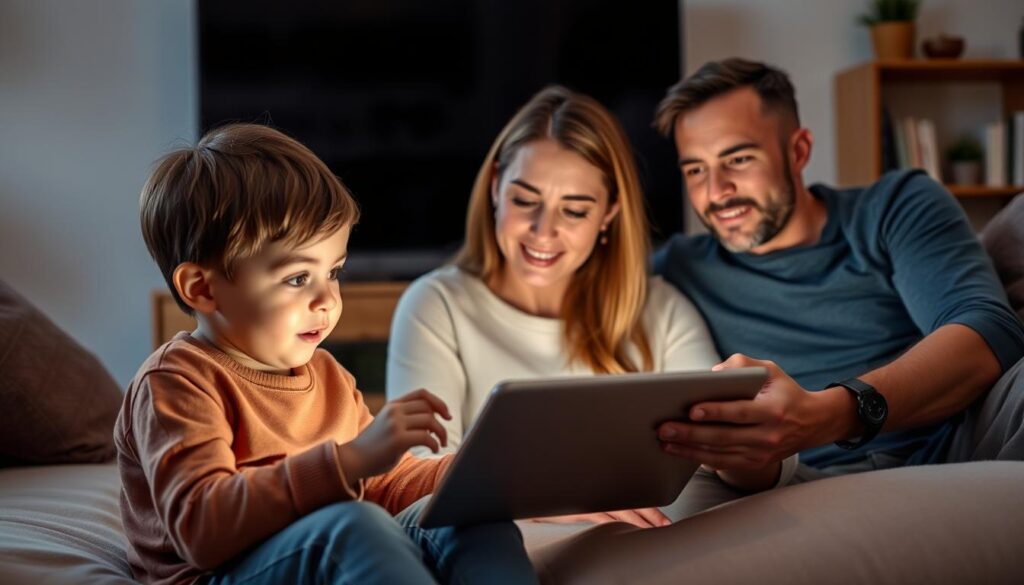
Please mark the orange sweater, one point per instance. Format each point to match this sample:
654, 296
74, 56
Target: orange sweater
216, 457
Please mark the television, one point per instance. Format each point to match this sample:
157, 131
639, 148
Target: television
403, 98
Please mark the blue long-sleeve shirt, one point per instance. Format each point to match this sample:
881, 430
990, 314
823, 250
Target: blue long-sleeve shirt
895, 261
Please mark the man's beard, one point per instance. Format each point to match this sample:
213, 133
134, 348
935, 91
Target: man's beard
775, 215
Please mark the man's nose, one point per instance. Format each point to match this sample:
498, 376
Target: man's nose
720, 187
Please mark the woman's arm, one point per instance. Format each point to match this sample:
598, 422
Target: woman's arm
423, 352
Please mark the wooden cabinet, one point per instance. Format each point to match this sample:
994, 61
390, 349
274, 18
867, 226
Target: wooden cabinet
863, 91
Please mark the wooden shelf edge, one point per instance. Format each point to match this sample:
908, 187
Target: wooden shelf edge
984, 191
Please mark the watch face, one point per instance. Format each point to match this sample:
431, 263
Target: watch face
875, 409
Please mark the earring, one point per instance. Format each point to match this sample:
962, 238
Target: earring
604, 235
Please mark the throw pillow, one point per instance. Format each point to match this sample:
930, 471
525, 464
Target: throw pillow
1003, 238
57, 402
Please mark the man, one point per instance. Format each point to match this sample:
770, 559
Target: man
883, 321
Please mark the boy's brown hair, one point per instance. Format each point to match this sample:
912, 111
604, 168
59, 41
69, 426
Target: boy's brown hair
718, 77
241, 187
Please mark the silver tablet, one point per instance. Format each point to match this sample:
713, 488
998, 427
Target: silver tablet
573, 445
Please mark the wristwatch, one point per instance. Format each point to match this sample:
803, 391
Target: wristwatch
872, 409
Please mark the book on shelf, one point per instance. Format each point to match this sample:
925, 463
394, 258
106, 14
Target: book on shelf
995, 154
1015, 149
929, 147
916, 145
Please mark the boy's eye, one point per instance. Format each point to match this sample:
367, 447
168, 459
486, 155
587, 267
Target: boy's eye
297, 280
335, 273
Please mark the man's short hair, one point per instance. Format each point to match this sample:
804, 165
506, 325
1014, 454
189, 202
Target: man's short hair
719, 77
241, 187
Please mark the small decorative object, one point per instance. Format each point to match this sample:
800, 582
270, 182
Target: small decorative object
892, 28
943, 47
965, 161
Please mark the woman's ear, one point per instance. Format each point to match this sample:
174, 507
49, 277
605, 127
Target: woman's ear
193, 285
610, 215
494, 185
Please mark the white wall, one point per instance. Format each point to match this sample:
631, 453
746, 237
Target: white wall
91, 93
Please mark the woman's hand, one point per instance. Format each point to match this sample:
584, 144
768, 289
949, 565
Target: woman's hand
405, 422
641, 517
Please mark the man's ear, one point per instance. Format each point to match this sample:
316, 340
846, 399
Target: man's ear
800, 145
193, 285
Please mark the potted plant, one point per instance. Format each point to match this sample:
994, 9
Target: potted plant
892, 27
965, 161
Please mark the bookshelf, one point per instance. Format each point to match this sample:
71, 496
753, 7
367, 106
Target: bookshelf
863, 91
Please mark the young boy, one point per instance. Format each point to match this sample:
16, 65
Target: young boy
246, 453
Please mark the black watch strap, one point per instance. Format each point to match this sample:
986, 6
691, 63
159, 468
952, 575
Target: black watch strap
872, 410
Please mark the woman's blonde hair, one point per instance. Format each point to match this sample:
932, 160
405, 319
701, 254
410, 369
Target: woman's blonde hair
603, 305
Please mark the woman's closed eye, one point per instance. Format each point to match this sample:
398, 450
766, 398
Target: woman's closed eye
576, 213
520, 202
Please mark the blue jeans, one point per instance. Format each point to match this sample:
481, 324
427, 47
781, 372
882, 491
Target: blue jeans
359, 542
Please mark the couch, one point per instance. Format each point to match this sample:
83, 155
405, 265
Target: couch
962, 523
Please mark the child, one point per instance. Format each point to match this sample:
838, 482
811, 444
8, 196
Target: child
247, 454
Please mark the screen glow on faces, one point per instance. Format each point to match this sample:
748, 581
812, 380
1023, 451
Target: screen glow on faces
280, 304
735, 168
550, 204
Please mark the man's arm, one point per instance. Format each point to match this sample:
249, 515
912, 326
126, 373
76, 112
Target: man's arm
940, 376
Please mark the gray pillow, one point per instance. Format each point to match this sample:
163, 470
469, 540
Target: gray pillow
1003, 239
57, 402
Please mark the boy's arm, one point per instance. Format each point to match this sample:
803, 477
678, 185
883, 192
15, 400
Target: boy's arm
409, 481
183, 438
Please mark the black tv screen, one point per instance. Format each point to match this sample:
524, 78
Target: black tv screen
403, 98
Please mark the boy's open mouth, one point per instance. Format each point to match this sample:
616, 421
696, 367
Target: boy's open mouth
313, 335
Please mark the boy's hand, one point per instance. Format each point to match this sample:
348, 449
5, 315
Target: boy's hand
403, 423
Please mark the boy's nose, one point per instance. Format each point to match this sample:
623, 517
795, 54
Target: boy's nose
327, 297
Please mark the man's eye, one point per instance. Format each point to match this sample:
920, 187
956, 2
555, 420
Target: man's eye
692, 171
738, 160
297, 280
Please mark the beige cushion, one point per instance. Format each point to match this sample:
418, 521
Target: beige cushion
960, 523
1003, 238
57, 402
61, 524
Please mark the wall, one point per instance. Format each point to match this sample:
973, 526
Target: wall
91, 93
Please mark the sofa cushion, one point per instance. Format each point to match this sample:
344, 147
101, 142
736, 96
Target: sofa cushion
61, 524
57, 402
1003, 238
955, 523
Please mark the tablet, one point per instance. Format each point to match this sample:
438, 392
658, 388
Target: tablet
573, 445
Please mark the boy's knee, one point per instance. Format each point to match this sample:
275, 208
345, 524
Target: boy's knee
361, 514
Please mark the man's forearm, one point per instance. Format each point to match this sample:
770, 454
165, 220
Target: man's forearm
936, 378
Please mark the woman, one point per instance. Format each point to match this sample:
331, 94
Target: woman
552, 278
